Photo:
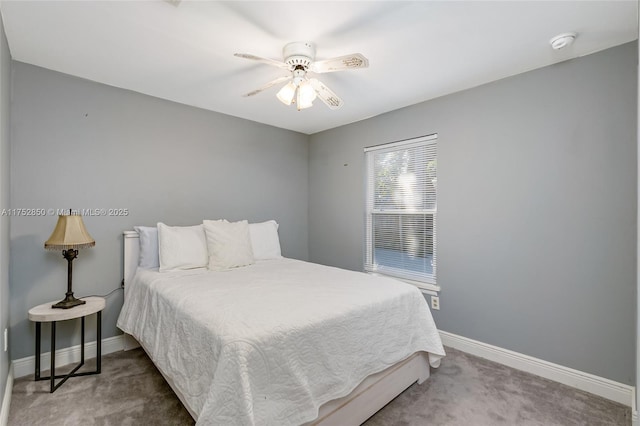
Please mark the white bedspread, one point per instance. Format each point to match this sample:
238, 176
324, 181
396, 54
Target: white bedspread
269, 343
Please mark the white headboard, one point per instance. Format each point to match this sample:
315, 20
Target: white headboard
131, 254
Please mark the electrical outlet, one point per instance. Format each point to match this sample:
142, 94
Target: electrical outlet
435, 303
6, 340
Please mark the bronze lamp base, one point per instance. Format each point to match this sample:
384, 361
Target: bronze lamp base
68, 302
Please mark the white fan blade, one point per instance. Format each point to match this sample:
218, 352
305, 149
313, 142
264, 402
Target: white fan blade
347, 62
328, 97
263, 60
268, 85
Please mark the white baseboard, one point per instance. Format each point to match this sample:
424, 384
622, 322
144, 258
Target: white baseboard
26, 366
609, 389
6, 401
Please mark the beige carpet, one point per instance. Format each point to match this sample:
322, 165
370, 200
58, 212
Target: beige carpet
465, 390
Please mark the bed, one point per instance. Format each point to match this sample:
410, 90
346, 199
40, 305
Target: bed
279, 342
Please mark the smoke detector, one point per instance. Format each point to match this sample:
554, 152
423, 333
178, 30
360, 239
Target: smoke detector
562, 40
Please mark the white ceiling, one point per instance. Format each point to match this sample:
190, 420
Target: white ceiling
417, 50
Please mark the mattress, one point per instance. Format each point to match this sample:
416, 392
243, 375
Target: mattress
269, 343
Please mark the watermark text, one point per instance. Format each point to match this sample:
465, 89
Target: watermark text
34, 212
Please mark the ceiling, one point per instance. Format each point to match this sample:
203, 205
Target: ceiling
183, 51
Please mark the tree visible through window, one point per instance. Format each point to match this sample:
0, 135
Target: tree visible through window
401, 209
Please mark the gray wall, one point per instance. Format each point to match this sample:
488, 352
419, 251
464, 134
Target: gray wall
536, 208
80, 144
5, 104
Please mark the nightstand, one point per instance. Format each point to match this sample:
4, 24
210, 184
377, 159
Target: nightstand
45, 313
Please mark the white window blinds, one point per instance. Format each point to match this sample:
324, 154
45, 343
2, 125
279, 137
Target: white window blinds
401, 209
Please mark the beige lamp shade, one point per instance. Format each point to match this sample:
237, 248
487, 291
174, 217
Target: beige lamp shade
69, 233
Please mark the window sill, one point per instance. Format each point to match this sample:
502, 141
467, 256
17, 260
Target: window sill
425, 288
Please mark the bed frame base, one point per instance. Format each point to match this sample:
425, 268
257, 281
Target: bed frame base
373, 393
366, 399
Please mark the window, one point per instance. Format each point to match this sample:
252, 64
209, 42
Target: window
401, 210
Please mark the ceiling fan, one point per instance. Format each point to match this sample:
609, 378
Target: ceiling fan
299, 60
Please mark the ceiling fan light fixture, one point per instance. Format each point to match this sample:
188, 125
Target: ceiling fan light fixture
287, 93
306, 95
299, 59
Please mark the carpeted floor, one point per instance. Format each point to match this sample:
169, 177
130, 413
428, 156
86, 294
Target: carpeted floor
465, 390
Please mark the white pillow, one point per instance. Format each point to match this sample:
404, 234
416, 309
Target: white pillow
264, 240
182, 247
148, 258
228, 243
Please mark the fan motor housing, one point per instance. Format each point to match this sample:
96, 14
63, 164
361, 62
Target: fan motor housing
299, 53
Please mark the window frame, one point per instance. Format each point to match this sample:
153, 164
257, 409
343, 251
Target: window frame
425, 283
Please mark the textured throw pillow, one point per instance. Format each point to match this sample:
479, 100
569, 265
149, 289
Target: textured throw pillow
264, 240
182, 247
228, 243
148, 258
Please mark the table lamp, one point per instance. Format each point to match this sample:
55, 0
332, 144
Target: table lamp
68, 236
